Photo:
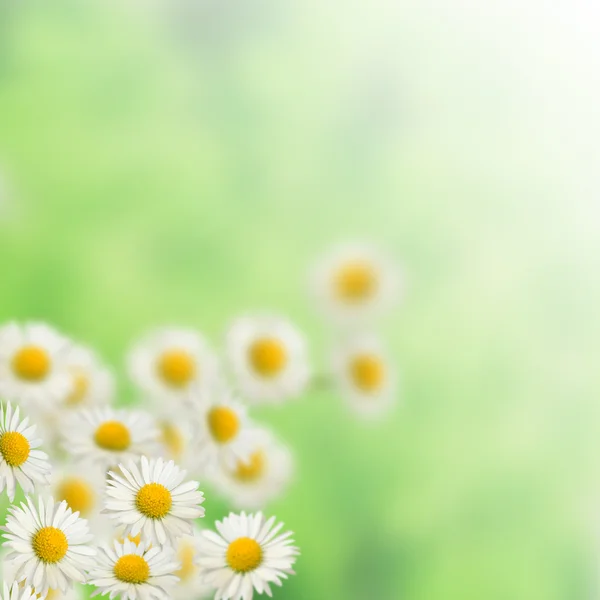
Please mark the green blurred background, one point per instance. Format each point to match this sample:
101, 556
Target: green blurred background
180, 162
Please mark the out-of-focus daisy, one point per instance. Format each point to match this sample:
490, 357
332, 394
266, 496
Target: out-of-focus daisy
48, 543
177, 438
32, 364
365, 375
169, 362
268, 356
190, 584
150, 497
223, 431
246, 555
134, 571
106, 437
20, 462
354, 282
252, 482
17, 592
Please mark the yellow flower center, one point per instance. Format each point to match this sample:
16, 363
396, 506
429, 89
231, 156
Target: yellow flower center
31, 363
132, 568
153, 500
50, 544
268, 356
171, 437
223, 423
252, 469
112, 435
81, 386
14, 448
176, 367
367, 372
186, 558
77, 493
244, 554
355, 282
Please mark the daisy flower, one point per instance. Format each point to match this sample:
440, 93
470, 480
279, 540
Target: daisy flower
17, 592
106, 436
268, 357
261, 477
246, 555
365, 375
32, 364
149, 497
190, 584
48, 545
20, 462
134, 571
167, 363
355, 282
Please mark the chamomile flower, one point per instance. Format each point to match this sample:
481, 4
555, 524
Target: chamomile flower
168, 363
48, 543
20, 461
32, 364
261, 477
355, 282
151, 498
246, 555
268, 356
17, 592
365, 375
107, 436
134, 571
190, 584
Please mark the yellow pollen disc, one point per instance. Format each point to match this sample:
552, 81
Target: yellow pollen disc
172, 438
355, 282
176, 367
367, 372
14, 448
223, 423
186, 558
77, 493
153, 500
252, 469
112, 435
31, 363
81, 385
268, 356
49, 544
244, 554
132, 568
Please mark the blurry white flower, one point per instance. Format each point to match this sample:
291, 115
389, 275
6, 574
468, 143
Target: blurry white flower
32, 365
253, 482
246, 555
134, 571
20, 462
49, 545
190, 584
365, 375
169, 363
354, 283
268, 356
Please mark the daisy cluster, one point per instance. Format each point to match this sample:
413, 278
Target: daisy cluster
111, 494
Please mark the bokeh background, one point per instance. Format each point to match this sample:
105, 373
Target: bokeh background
182, 161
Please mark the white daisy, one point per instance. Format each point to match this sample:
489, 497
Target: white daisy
17, 592
20, 462
253, 482
268, 356
32, 364
190, 584
365, 375
149, 497
167, 363
107, 436
176, 438
134, 571
355, 282
248, 555
48, 544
